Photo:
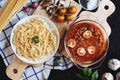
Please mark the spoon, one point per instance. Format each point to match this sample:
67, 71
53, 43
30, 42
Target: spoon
89, 4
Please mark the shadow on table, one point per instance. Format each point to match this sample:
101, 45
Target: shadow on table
3, 75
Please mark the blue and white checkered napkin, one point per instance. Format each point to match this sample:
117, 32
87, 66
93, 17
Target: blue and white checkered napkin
31, 73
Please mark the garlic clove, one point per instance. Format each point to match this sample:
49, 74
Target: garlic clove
107, 76
114, 64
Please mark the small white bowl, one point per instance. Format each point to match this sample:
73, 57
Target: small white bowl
89, 4
49, 24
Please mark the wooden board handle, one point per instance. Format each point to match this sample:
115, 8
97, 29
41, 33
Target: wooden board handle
16, 69
106, 8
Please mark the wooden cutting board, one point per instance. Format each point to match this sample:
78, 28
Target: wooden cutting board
105, 9
61, 26
16, 69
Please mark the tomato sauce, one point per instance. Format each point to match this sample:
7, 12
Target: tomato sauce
95, 38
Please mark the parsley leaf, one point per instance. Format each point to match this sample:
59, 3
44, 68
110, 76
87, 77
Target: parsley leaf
35, 39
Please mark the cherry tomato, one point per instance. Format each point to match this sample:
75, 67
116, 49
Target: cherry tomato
72, 9
62, 10
91, 49
69, 17
60, 18
71, 43
81, 51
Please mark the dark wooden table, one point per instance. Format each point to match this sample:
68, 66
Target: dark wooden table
113, 52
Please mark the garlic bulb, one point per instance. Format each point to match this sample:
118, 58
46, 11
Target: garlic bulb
52, 5
107, 76
114, 64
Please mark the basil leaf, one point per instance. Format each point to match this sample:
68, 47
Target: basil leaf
89, 72
85, 70
81, 77
94, 75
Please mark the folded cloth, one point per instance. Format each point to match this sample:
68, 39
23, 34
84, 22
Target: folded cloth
31, 72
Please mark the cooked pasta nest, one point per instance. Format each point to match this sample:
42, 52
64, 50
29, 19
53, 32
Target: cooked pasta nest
25, 43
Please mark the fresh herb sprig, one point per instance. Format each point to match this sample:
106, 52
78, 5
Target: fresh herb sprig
88, 74
35, 39
56, 61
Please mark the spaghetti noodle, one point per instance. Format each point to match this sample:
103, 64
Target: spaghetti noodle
8, 10
24, 42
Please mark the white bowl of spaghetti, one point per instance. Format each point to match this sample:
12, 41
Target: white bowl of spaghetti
34, 39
